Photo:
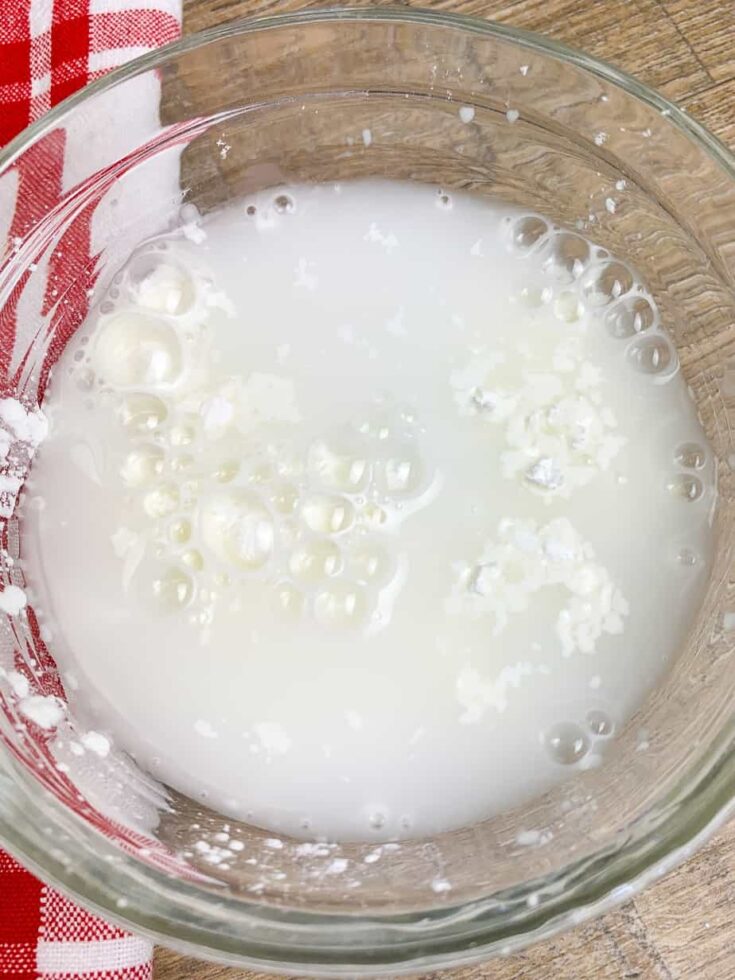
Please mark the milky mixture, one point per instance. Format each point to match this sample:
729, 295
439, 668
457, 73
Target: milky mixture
366, 510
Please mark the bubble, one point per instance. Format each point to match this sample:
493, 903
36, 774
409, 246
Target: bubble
283, 204
285, 498
527, 232
159, 285
652, 354
182, 435
189, 493
686, 486
261, 473
600, 723
338, 469
142, 413
226, 471
630, 316
567, 307
193, 558
173, 589
369, 563
607, 282
315, 561
340, 606
567, 256
377, 820
238, 527
327, 514
180, 531
161, 501
566, 743
374, 515
86, 379
691, 456
687, 557
400, 475
180, 464
142, 465
134, 349
534, 296
289, 602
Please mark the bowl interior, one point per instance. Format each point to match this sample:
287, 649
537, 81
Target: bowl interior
551, 132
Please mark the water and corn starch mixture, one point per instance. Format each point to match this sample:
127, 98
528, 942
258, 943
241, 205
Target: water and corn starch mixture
368, 510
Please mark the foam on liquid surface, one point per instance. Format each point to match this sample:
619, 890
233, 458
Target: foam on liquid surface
368, 510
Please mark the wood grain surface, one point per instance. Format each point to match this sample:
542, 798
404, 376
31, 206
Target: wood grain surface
683, 927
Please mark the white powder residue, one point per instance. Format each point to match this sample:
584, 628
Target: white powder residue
12, 600
440, 886
309, 850
512, 115
557, 430
367, 137
354, 720
203, 728
466, 113
28, 426
217, 413
395, 325
527, 558
194, 232
163, 289
273, 737
374, 234
476, 693
19, 684
44, 711
304, 277
219, 300
25, 429
528, 838
96, 742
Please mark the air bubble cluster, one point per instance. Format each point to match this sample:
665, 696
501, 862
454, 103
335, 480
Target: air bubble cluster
218, 509
690, 458
572, 743
585, 280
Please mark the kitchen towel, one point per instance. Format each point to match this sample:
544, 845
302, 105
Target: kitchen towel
48, 50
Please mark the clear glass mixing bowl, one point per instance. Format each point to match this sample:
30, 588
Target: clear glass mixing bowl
257, 104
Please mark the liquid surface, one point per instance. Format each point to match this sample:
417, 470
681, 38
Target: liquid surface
368, 511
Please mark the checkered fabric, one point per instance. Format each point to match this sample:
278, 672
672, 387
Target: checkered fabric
44, 935
48, 49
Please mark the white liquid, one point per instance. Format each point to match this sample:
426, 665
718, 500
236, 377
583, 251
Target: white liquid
367, 514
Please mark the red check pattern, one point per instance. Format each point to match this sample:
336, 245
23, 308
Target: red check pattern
48, 50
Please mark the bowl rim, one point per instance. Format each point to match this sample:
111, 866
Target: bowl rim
612, 875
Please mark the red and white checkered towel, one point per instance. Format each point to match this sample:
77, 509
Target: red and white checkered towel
48, 49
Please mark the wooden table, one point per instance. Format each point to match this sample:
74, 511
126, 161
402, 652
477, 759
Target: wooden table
684, 927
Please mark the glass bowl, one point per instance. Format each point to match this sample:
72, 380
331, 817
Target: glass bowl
253, 105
